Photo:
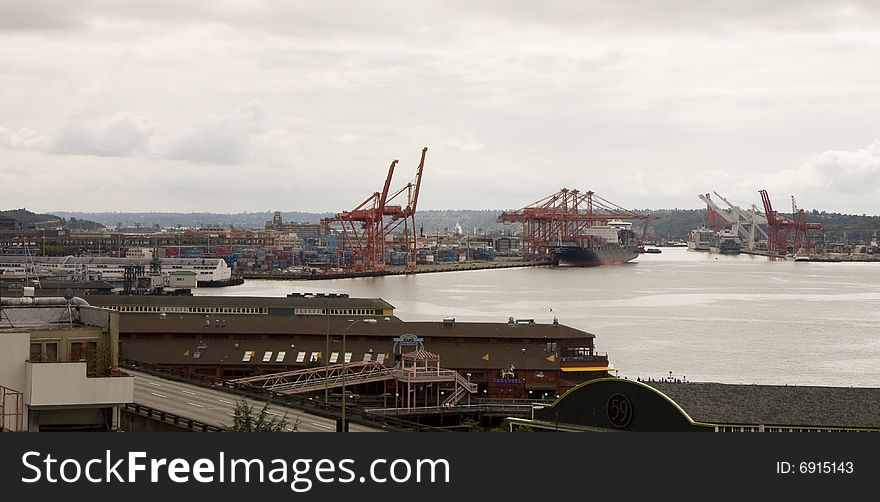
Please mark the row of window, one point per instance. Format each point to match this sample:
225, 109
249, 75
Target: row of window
190, 310
352, 312
308, 311
313, 357
235, 310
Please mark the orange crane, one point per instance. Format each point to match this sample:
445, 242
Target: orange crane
365, 227
408, 215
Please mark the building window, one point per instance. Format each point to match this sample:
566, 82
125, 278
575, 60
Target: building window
50, 350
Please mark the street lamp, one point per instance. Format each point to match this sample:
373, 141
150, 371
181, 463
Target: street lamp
327, 357
351, 323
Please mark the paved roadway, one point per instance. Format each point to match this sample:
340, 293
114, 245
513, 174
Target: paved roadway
216, 407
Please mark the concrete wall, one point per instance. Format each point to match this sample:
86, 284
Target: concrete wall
66, 384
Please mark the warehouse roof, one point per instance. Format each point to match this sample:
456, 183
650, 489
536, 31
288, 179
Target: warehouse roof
254, 324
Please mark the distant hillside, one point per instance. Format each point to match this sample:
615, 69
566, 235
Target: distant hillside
27, 219
169, 220
672, 223
431, 221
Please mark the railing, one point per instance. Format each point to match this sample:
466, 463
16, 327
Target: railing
171, 418
314, 379
11, 410
312, 406
410, 375
589, 358
485, 408
463, 386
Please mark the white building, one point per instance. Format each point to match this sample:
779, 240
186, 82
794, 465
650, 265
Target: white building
106, 268
287, 240
139, 253
58, 366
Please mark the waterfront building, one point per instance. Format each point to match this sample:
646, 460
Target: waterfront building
232, 337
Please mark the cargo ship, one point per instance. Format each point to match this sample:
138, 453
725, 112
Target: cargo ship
698, 240
610, 244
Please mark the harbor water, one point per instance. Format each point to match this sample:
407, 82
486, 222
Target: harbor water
700, 316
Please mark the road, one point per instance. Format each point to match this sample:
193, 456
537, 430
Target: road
216, 407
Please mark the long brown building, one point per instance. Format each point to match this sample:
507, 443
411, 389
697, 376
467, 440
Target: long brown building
232, 337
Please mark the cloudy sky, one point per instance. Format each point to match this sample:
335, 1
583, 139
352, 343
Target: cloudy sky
230, 106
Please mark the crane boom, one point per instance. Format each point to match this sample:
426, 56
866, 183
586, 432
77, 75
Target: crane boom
419, 169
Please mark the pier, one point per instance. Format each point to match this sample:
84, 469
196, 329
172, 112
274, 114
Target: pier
399, 270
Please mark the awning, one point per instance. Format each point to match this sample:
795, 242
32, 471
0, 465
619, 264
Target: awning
587, 368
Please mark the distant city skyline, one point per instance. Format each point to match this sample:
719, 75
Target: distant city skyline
232, 106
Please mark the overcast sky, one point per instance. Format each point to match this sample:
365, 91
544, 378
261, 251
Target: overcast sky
229, 106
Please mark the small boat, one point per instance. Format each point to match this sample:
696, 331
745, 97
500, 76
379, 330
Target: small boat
653, 250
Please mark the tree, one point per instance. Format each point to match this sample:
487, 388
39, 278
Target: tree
243, 419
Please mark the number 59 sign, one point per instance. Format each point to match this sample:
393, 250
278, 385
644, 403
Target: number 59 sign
620, 411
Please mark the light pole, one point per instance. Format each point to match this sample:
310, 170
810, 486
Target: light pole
351, 323
327, 357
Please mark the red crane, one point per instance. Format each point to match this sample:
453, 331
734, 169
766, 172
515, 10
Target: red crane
786, 235
407, 215
713, 215
365, 227
563, 216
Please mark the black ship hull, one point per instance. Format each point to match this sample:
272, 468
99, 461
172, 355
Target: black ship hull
579, 256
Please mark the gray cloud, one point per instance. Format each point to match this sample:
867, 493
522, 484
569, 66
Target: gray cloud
647, 103
24, 139
121, 135
389, 16
220, 140
41, 15
839, 172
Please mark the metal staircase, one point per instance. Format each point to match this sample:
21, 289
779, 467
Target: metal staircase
462, 388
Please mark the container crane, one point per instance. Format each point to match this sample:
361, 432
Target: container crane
563, 217
366, 226
786, 235
746, 224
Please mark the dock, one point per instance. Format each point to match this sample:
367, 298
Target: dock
399, 270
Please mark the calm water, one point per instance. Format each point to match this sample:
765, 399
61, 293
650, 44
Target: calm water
735, 319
